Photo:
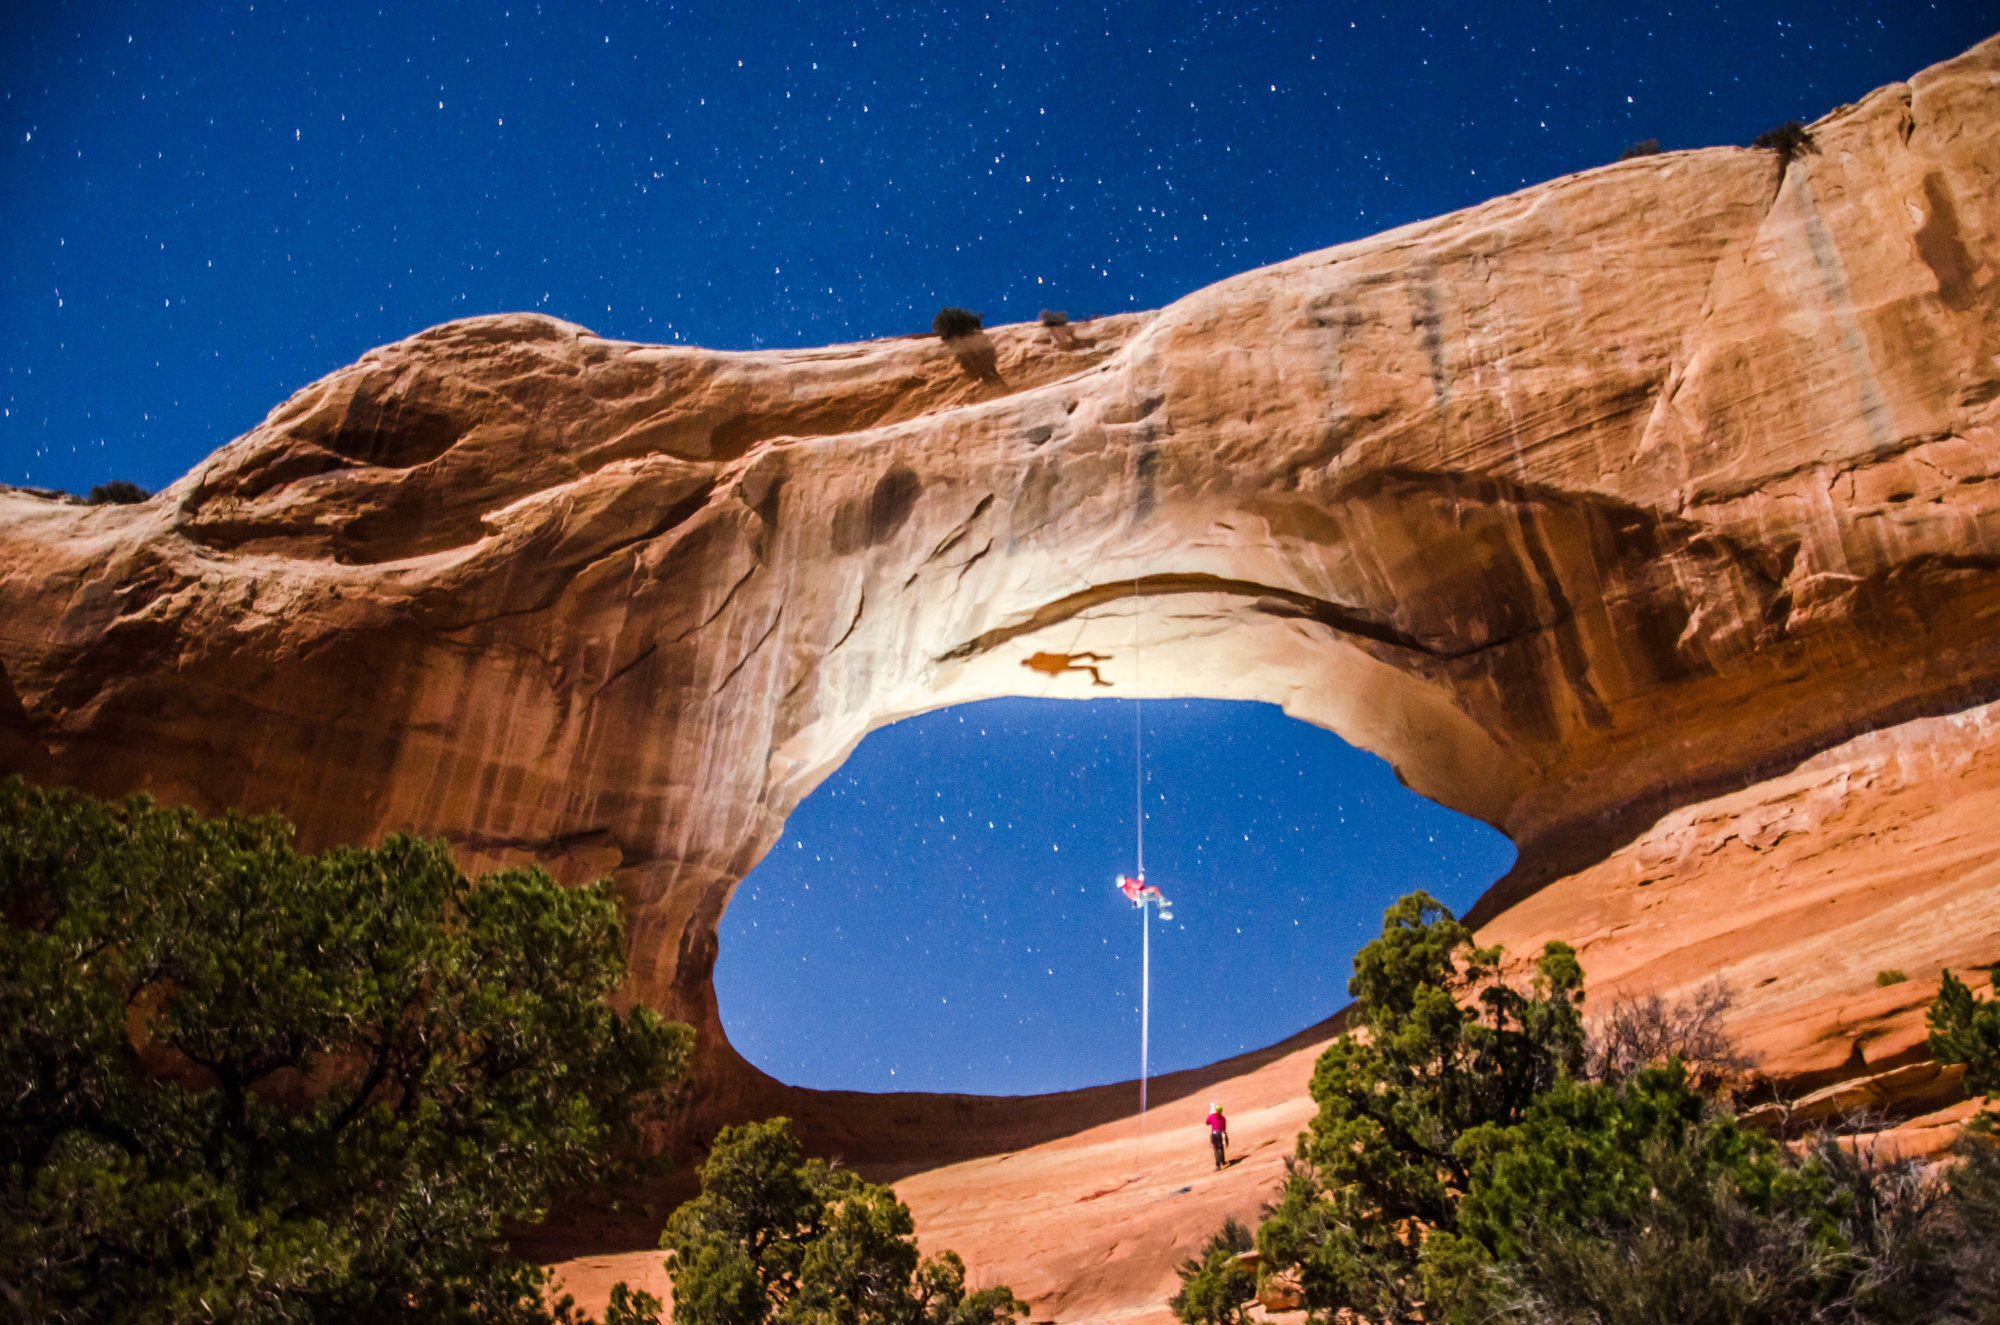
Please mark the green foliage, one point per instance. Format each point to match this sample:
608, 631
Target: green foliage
1217, 1288
1473, 1161
951, 323
1447, 1048
1892, 976
1647, 147
1580, 1156
1972, 1236
1966, 1030
1639, 1200
1613, 1199
777, 1237
1054, 317
1734, 1233
119, 491
252, 1084
627, 1306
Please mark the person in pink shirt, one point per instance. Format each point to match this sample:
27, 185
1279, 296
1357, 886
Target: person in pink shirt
1218, 1134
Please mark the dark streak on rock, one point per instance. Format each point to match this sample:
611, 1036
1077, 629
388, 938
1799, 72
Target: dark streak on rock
1271, 600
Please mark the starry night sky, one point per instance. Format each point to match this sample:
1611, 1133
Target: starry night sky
205, 206
941, 913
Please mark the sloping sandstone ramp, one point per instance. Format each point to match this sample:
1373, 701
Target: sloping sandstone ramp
1648, 514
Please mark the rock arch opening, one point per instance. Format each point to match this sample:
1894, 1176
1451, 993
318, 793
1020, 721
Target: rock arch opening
1666, 487
938, 914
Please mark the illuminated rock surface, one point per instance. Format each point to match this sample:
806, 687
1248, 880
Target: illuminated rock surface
1607, 512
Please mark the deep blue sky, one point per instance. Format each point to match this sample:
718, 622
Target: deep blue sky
204, 206
941, 913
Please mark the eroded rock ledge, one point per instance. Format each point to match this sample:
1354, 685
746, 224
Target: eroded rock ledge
1621, 493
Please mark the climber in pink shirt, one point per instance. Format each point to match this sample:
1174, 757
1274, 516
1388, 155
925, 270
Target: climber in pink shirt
1218, 1134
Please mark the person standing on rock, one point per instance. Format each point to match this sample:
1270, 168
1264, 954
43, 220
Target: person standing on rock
1218, 1134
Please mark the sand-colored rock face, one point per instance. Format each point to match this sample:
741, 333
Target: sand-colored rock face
1626, 496
1882, 852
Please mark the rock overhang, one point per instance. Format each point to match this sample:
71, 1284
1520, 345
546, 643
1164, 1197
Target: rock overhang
1604, 497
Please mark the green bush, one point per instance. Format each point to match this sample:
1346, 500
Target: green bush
1892, 976
1716, 1224
1642, 1200
775, 1237
951, 323
1054, 317
1649, 147
119, 491
1475, 1160
1448, 1048
1217, 1288
252, 1084
1964, 1029
1972, 1231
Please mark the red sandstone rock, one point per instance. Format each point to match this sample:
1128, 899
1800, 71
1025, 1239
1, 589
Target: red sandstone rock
1884, 851
1606, 511
1091, 1226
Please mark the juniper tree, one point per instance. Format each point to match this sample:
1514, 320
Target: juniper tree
1439, 1045
1217, 1287
775, 1237
249, 1083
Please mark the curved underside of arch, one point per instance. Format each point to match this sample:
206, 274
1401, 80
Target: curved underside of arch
1612, 497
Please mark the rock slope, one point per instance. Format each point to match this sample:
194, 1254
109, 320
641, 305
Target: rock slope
1609, 511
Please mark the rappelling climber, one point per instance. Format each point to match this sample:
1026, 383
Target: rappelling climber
1139, 892
1218, 1134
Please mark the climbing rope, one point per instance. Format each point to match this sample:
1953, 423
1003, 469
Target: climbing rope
1148, 898
1138, 745
1139, 834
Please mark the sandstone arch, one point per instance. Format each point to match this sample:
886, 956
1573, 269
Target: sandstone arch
1594, 500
